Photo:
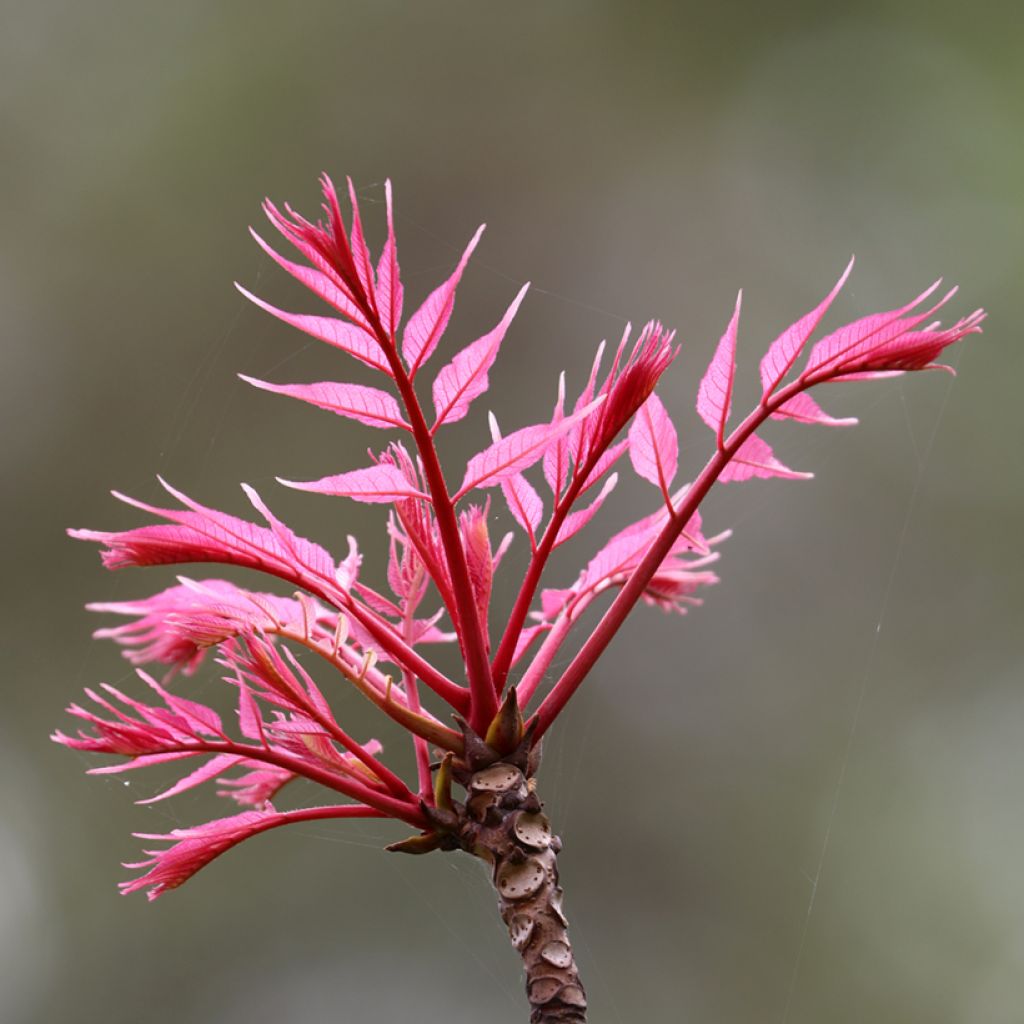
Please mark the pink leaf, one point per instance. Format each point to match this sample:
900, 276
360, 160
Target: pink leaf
518, 451
654, 444
804, 409
575, 521
378, 484
714, 396
868, 332
913, 350
326, 246
176, 625
465, 377
200, 534
367, 405
348, 337
427, 324
193, 848
389, 282
786, 348
754, 458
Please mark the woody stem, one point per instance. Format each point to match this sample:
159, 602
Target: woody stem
503, 825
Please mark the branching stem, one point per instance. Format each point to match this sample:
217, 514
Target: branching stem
634, 587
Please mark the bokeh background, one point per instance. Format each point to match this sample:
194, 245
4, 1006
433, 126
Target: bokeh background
801, 802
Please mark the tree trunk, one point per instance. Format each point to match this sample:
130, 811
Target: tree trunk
502, 824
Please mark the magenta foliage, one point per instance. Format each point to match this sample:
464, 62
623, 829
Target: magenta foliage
438, 544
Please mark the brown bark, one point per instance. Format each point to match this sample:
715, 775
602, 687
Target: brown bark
502, 823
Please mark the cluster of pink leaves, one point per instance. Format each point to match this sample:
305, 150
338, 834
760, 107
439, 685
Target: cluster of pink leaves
439, 547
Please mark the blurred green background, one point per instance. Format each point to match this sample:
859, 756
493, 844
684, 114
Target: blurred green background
801, 803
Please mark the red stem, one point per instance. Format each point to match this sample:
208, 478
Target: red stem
419, 745
613, 618
531, 580
398, 788
319, 813
527, 686
419, 723
391, 807
483, 702
454, 695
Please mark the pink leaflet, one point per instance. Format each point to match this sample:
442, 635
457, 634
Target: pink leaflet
389, 282
676, 576
804, 409
654, 444
348, 337
518, 451
556, 458
257, 787
480, 562
523, 502
316, 700
250, 721
302, 551
520, 495
605, 462
526, 639
210, 770
850, 378
626, 548
317, 281
575, 521
465, 377
380, 484
140, 761
407, 574
786, 348
425, 327
714, 396
357, 243
200, 719
358, 402
672, 587
577, 437
201, 534
754, 458
552, 601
